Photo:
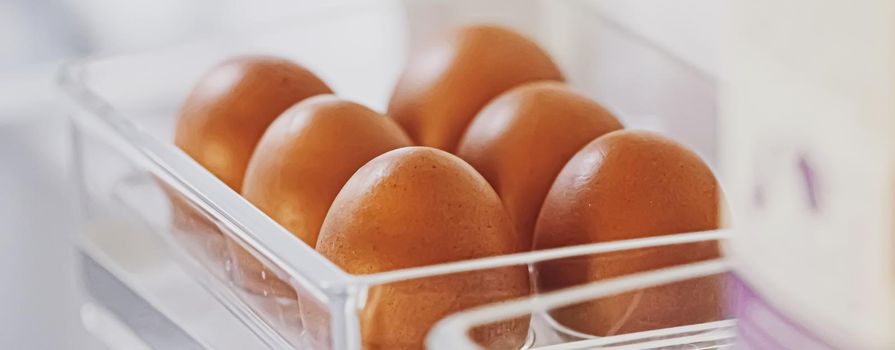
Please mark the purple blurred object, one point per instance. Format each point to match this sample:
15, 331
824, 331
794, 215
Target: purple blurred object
761, 326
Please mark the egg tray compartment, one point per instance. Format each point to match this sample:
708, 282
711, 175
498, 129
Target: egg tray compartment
453, 331
128, 171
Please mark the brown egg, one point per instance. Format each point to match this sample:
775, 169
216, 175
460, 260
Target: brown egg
446, 83
420, 206
309, 153
521, 140
624, 185
219, 125
227, 112
301, 163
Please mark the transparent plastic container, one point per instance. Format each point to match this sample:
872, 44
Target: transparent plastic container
140, 193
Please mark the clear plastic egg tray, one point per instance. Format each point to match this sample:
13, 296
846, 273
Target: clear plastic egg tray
155, 222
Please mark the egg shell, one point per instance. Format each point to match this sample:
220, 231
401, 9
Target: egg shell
448, 81
225, 115
419, 206
624, 185
219, 125
309, 153
298, 167
522, 139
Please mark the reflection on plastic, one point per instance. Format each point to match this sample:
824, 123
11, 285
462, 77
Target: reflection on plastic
677, 304
398, 315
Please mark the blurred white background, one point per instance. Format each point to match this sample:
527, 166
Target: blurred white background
39, 297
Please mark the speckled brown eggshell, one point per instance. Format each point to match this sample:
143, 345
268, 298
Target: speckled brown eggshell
521, 140
219, 126
625, 185
301, 163
309, 153
419, 206
448, 81
227, 112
